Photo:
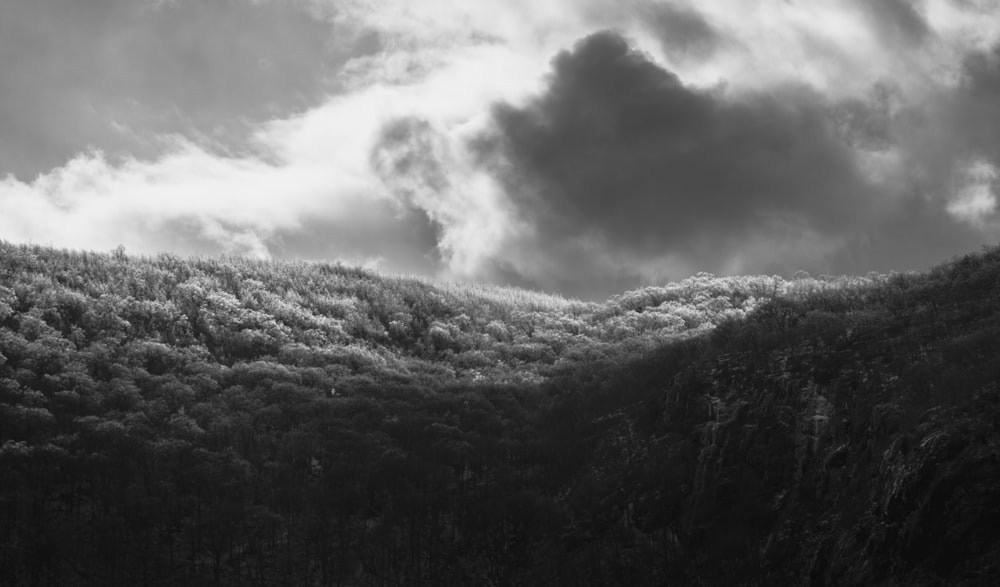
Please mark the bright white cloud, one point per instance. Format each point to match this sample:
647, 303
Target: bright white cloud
975, 201
236, 203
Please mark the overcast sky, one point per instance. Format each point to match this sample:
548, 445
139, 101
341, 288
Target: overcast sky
579, 146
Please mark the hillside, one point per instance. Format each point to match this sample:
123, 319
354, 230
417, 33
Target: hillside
223, 421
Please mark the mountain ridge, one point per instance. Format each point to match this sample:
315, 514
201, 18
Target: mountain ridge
227, 421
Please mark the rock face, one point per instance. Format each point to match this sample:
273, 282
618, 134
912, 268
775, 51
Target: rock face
800, 449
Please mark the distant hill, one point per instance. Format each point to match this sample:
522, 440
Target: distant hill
224, 421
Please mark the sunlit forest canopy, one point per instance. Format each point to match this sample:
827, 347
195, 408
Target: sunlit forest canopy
237, 309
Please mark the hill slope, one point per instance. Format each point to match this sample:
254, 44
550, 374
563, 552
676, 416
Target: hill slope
817, 442
172, 421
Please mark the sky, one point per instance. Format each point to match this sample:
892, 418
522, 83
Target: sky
584, 147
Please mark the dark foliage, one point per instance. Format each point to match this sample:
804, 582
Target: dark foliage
169, 421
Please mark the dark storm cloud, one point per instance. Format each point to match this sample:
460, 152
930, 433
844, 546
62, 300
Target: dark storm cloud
919, 233
977, 105
898, 21
939, 141
954, 127
112, 74
866, 122
619, 150
682, 32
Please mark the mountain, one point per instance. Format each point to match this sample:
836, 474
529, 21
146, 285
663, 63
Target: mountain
168, 421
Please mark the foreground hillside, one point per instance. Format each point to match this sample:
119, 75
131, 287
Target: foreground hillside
175, 421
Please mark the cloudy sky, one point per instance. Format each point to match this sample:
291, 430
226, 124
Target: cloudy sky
578, 146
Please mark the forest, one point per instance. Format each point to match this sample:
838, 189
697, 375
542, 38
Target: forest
225, 421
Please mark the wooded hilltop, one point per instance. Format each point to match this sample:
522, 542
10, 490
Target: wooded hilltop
224, 421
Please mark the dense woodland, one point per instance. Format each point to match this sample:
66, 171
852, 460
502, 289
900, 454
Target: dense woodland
173, 421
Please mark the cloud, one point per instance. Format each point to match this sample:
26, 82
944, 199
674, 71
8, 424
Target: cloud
419, 165
297, 186
682, 30
975, 102
304, 188
618, 168
506, 140
951, 143
975, 201
195, 201
95, 202
899, 21
620, 154
123, 75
